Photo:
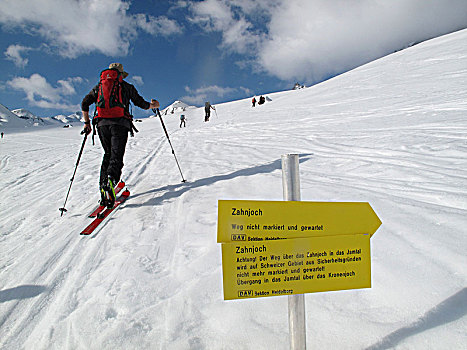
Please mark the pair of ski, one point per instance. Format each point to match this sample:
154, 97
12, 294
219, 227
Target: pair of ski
102, 212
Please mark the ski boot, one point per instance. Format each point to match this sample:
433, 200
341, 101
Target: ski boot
108, 193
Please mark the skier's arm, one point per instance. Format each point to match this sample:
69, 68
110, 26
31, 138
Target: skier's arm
87, 123
86, 117
139, 101
88, 100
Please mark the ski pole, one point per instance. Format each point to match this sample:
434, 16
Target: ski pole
156, 111
73, 177
215, 110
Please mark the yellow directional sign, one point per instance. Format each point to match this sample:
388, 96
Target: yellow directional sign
296, 266
254, 221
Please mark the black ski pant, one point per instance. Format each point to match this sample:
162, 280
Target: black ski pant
113, 139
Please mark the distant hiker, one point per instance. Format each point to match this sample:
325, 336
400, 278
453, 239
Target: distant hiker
261, 100
112, 96
207, 110
182, 120
253, 101
2, 135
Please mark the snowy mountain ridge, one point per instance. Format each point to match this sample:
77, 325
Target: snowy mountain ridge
22, 119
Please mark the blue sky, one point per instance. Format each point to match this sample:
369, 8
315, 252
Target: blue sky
218, 50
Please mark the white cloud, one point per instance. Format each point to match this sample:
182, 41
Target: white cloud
76, 27
212, 15
206, 93
315, 39
14, 53
66, 86
138, 80
238, 34
41, 94
157, 25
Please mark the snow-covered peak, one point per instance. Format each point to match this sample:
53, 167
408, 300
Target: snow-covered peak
72, 118
29, 116
24, 113
176, 107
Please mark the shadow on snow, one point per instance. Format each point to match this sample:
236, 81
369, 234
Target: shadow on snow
21, 292
450, 310
173, 191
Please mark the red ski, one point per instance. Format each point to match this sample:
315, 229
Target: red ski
100, 208
101, 216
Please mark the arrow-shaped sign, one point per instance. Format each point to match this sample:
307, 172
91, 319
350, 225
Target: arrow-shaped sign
243, 220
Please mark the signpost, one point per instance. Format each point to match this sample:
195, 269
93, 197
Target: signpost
296, 302
290, 247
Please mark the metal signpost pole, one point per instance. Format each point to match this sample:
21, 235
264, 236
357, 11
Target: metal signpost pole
291, 192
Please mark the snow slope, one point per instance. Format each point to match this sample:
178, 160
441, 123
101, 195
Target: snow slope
392, 133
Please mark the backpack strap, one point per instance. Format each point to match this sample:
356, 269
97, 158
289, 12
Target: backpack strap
130, 117
94, 123
133, 128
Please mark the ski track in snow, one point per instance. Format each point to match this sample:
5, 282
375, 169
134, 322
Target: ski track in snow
392, 133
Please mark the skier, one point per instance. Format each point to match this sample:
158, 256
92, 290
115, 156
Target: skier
253, 101
113, 123
182, 120
2, 134
207, 110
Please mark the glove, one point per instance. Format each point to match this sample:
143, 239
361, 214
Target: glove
87, 128
154, 104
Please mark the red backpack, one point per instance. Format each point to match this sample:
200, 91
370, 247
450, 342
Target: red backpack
109, 97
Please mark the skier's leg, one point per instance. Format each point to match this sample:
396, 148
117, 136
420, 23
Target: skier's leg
119, 140
105, 138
